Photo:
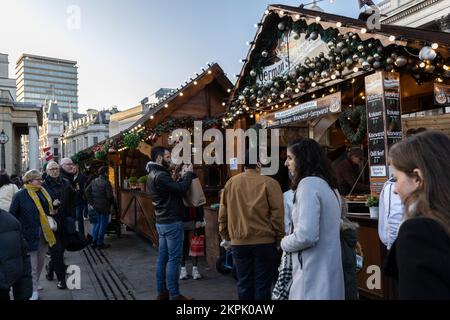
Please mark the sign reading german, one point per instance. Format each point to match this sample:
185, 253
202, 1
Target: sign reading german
303, 112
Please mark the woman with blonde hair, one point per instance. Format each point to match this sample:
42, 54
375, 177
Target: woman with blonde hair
420, 257
31, 206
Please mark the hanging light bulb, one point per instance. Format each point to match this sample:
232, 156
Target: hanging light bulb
228, 90
338, 24
392, 38
355, 69
195, 82
363, 30
317, 19
434, 46
166, 106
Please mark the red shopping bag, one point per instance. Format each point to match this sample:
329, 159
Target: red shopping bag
197, 247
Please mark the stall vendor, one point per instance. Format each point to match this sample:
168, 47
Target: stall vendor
347, 173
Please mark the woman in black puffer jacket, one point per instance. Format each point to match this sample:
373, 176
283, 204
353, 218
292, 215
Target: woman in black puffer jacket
15, 266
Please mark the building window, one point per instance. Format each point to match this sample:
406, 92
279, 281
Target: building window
86, 142
55, 141
55, 116
55, 152
95, 140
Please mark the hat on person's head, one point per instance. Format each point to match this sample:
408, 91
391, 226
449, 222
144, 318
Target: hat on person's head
356, 153
31, 175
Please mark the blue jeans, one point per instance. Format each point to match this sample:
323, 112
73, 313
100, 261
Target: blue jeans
98, 234
80, 212
256, 267
169, 255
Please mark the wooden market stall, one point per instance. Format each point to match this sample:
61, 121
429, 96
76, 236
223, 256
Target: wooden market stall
330, 78
200, 99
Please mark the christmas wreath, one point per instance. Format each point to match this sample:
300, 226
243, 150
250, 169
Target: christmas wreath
352, 115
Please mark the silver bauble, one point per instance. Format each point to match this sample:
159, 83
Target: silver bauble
274, 95
253, 73
331, 45
241, 97
324, 74
361, 60
345, 51
400, 61
355, 57
300, 79
276, 84
380, 49
282, 26
313, 35
293, 73
295, 35
370, 59
427, 53
349, 61
360, 48
264, 54
377, 64
389, 60
366, 65
377, 57
340, 45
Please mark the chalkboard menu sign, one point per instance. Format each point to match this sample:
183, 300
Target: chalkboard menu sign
392, 102
376, 125
384, 127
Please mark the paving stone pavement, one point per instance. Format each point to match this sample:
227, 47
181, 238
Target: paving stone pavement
126, 271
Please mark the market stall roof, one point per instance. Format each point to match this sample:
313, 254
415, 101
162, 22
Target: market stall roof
175, 100
387, 35
180, 96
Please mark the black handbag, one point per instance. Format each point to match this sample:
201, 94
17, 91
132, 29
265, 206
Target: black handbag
76, 242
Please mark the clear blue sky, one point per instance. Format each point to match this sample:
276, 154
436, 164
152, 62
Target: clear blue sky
128, 49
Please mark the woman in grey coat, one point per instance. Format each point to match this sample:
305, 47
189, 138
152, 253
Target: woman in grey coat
315, 242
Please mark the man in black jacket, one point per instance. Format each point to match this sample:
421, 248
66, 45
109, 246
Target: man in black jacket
15, 263
169, 210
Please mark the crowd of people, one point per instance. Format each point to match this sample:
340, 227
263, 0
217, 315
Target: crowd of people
311, 226
43, 214
297, 245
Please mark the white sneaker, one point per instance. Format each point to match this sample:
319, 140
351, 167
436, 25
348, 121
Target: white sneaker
35, 296
195, 274
183, 274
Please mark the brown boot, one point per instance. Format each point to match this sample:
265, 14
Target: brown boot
163, 296
181, 297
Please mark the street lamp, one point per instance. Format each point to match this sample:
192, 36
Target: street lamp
3, 140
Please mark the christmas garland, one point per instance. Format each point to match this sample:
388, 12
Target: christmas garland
132, 139
185, 123
346, 51
351, 115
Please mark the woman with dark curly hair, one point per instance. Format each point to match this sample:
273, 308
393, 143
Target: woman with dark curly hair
315, 243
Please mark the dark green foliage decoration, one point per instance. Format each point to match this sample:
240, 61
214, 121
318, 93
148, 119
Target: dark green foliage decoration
349, 116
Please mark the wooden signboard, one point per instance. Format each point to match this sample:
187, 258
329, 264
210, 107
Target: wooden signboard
383, 123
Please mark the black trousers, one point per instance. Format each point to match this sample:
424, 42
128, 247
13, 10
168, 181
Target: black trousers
256, 267
56, 264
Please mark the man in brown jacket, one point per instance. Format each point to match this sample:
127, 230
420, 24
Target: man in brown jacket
251, 216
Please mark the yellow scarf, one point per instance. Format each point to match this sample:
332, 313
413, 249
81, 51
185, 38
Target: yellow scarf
48, 233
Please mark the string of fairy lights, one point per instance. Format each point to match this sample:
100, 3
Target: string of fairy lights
350, 54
